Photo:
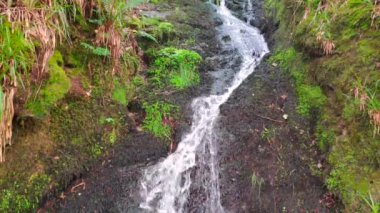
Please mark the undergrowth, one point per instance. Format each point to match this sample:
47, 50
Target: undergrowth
331, 50
176, 67
159, 119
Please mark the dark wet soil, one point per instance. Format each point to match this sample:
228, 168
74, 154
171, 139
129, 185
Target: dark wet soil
265, 160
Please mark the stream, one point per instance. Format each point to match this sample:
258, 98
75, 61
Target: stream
168, 186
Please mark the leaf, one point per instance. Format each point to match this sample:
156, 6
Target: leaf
145, 35
99, 51
134, 3
1, 104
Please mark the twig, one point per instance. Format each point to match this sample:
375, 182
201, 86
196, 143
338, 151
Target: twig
277, 121
83, 184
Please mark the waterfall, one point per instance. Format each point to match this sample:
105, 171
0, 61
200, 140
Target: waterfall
165, 187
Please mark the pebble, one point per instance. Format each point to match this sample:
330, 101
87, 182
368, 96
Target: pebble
285, 116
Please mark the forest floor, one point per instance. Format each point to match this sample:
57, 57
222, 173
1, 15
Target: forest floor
268, 163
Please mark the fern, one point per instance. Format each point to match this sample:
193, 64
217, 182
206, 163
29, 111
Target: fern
99, 51
147, 36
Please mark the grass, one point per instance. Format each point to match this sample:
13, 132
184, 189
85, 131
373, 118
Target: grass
258, 182
371, 203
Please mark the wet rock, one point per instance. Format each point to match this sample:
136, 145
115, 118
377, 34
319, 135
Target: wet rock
218, 21
226, 38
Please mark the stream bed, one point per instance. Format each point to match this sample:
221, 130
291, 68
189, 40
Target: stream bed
223, 162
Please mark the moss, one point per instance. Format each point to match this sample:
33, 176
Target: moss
55, 88
311, 100
119, 94
369, 50
351, 110
285, 58
24, 198
325, 138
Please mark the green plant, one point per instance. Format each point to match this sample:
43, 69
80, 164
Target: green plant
177, 64
96, 150
284, 58
99, 51
257, 181
56, 87
147, 36
371, 203
373, 108
112, 136
310, 100
24, 198
325, 138
16, 54
157, 119
119, 94
268, 134
115, 10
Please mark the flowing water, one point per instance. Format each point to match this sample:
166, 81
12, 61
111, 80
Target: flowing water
166, 186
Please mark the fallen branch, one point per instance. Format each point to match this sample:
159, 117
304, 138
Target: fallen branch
82, 184
271, 119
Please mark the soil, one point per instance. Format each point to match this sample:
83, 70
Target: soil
266, 162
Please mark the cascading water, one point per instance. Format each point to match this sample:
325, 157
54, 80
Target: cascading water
165, 187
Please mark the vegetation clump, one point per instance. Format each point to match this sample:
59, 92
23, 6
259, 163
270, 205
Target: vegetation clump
331, 50
176, 67
159, 119
56, 87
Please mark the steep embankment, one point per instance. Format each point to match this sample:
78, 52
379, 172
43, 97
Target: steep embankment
331, 51
96, 84
268, 159
113, 185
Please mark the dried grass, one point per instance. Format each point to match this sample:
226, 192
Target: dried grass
375, 120
35, 27
9, 90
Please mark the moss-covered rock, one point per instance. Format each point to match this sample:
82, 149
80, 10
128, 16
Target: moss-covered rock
55, 88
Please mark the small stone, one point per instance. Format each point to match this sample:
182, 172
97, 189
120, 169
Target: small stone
226, 38
79, 194
253, 94
319, 165
261, 149
275, 64
285, 116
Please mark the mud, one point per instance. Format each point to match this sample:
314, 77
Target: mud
265, 160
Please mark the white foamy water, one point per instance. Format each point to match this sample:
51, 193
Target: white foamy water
165, 187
